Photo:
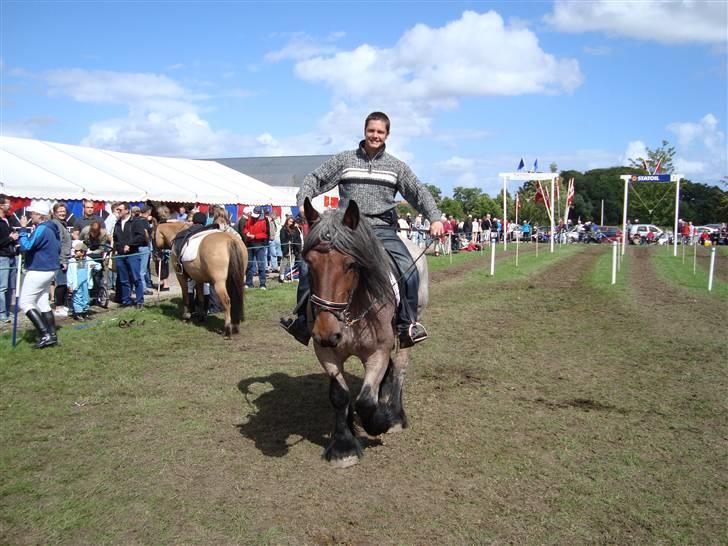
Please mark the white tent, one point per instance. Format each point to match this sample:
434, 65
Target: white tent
46, 170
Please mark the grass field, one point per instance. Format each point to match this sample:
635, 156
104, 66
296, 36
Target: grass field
547, 407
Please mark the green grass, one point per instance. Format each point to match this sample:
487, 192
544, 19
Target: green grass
535, 418
672, 270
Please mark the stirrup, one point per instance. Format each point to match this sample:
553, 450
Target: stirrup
414, 334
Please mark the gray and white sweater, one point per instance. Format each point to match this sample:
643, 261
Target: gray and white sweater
372, 183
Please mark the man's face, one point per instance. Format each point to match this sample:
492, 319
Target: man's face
88, 209
35, 218
60, 213
121, 211
4, 207
375, 134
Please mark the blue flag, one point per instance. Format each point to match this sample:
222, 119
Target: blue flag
535, 166
521, 164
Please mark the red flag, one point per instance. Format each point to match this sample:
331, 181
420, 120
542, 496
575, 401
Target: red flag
518, 201
658, 167
542, 196
570, 193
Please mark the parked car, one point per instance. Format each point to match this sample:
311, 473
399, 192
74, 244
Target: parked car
609, 234
639, 231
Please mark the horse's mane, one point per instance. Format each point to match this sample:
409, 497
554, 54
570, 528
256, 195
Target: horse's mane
361, 244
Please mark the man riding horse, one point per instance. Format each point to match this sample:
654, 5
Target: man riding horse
372, 177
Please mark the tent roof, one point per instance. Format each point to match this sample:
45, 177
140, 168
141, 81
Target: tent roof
47, 170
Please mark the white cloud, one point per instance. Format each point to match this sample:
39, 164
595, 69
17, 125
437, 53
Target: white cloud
635, 149
701, 149
665, 22
302, 46
474, 55
705, 131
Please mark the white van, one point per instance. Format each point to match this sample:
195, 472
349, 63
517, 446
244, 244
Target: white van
637, 231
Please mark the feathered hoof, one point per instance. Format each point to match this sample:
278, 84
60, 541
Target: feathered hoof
186, 317
395, 429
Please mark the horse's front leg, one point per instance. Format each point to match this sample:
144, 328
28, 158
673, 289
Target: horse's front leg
390, 390
375, 415
343, 449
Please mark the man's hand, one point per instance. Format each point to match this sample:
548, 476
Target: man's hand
14, 235
23, 221
436, 228
126, 248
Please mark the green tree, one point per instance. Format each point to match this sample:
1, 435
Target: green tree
451, 206
468, 198
554, 168
662, 155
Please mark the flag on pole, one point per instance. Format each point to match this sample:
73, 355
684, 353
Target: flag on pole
647, 169
542, 196
535, 166
521, 164
570, 193
658, 167
518, 202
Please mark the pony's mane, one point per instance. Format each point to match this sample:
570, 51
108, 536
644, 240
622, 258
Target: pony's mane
361, 244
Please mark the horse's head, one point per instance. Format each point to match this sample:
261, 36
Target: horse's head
334, 271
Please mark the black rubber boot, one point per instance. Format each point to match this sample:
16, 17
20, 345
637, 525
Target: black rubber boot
50, 322
37, 319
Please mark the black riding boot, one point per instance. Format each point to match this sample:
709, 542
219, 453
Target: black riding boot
192, 299
206, 304
37, 319
296, 323
50, 321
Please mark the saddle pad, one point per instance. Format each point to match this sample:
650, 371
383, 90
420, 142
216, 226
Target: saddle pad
192, 246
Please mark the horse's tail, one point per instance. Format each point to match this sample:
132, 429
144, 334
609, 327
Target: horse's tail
234, 282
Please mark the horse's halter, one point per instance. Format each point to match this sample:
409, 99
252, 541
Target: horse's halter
340, 310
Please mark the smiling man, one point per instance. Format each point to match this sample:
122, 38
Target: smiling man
372, 177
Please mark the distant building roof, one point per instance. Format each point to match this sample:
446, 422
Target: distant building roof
276, 171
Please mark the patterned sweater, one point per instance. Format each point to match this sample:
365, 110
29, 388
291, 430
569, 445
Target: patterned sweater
372, 183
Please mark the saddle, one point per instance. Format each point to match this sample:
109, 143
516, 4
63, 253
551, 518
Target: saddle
187, 242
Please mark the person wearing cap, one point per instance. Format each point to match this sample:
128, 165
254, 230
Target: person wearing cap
42, 251
80, 279
372, 177
129, 236
256, 235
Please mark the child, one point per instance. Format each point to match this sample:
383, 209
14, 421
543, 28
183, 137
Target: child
80, 279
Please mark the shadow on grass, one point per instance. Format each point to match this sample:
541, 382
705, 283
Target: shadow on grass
213, 323
295, 406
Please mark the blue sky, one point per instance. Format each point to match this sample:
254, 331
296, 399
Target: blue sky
470, 86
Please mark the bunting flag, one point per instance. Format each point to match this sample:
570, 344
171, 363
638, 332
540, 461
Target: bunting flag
570, 193
535, 166
558, 191
521, 164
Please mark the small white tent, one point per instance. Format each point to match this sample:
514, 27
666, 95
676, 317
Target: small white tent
45, 170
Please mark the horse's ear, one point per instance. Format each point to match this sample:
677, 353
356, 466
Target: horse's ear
309, 212
351, 216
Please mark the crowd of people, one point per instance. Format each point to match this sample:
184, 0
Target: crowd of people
68, 260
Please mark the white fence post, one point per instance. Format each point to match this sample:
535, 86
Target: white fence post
614, 262
712, 268
492, 258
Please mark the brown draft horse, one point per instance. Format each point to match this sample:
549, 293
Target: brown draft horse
221, 261
351, 313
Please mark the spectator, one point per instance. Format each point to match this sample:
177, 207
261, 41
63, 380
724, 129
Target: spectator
291, 239
163, 216
98, 243
129, 236
146, 219
42, 258
240, 227
222, 219
486, 227
87, 217
526, 231
274, 245
256, 235
7, 261
476, 231
80, 280
60, 211
182, 215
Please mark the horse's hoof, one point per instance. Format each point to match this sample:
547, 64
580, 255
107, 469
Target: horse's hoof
186, 317
396, 428
344, 462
